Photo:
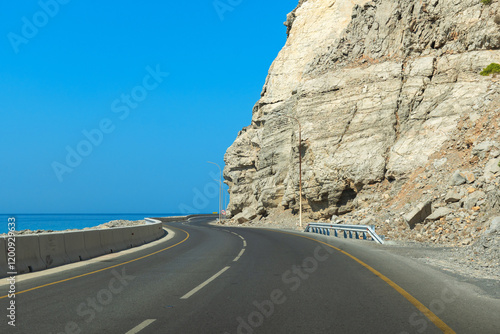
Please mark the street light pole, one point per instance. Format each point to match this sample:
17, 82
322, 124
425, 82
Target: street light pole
224, 201
220, 191
300, 167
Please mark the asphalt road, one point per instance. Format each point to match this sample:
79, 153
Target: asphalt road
209, 279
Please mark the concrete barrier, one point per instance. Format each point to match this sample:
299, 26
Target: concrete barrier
139, 235
53, 249
28, 254
173, 219
111, 240
4, 268
93, 245
125, 236
152, 221
160, 232
155, 229
74, 242
108, 241
40, 251
151, 230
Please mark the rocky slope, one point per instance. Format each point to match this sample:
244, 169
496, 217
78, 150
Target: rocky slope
394, 116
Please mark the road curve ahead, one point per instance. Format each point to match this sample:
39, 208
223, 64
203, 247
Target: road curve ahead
211, 279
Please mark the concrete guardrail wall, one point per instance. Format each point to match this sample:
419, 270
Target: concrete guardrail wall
36, 252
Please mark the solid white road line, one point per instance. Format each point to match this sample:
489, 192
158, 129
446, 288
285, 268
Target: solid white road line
239, 255
202, 285
141, 326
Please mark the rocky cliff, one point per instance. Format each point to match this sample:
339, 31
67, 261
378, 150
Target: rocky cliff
390, 104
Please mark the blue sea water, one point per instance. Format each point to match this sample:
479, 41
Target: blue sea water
60, 222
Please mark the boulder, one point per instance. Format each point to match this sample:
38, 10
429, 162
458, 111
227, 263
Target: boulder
493, 199
471, 200
418, 214
453, 196
469, 176
494, 226
247, 215
457, 179
482, 148
240, 218
440, 213
491, 169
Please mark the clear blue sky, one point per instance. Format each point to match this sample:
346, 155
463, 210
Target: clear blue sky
86, 66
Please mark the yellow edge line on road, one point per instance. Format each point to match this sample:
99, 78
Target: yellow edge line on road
104, 269
421, 307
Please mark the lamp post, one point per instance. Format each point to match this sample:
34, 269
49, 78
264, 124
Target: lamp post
300, 167
226, 202
220, 191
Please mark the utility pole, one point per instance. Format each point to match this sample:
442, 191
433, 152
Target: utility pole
220, 191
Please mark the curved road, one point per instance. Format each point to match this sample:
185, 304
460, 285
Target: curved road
209, 279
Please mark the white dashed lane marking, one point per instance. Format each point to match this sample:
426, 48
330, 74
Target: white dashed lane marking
239, 255
244, 246
141, 326
202, 285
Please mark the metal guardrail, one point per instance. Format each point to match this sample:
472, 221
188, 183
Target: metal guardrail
358, 230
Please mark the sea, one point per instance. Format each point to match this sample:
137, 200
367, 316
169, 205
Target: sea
60, 222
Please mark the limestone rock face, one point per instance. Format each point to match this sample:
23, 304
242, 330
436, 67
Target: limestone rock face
377, 86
